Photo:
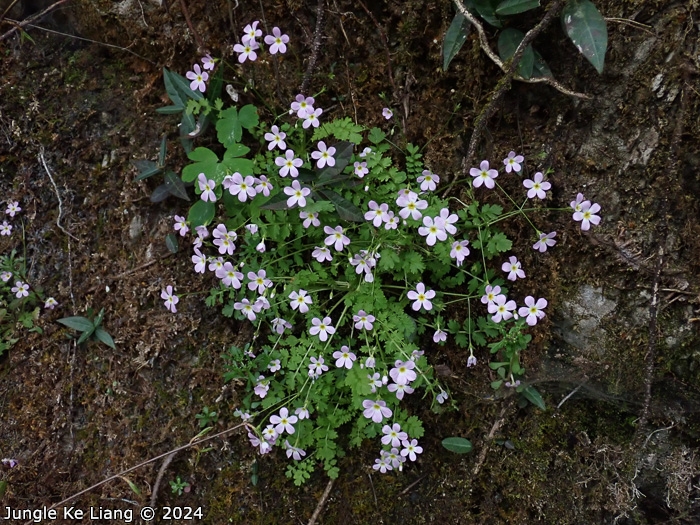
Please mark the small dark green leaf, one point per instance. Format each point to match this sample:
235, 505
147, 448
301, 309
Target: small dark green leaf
182, 85
586, 28
540, 67
508, 42
104, 337
82, 324
187, 125
86, 335
172, 243
201, 213
172, 91
147, 168
486, 10
346, 209
514, 7
457, 445
161, 193
170, 110
455, 37
175, 185
534, 397
376, 135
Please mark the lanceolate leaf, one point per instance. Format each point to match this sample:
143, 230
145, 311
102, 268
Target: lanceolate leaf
103, 336
486, 10
514, 7
172, 243
455, 37
587, 29
82, 324
534, 397
508, 42
346, 209
540, 67
457, 445
175, 186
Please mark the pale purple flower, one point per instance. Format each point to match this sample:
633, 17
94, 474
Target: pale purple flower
360, 169
280, 325
310, 219
490, 294
202, 231
302, 412
284, 422
311, 118
277, 41
198, 78
393, 435
51, 303
259, 281
270, 434
377, 213
300, 300
322, 253
370, 363
421, 297
206, 186
323, 156
216, 264
322, 328
167, 294
537, 187
441, 397
449, 220
181, 225
533, 310
224, 239
576, 205
13, 208
513, 268
403, 373
336, 236
394, 458
247, 308
5, 228
10, 463
208, 62
294, 452
382, 464
317, 367
587, 215
200, 261
276, 139
247, 51
400, 390
238, 185
391, 221
5, 276
289, 164
439, 336
376, 410
363, 320
252, 228
411, 205
433, 229
251, 32
365, 152
501, 309
546, 240
297, 194
263, 186
260, 247
274, 365
230, 276
387, 113
261, 387
459, 251
471, 361
410, 449
303, 106
513, 162
344, 357
262, 303
428, 181
483, 175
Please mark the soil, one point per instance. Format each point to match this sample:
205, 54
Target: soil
74, 415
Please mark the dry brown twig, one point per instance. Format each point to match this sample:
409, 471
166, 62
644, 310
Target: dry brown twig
318, 34
28, 21
321, 502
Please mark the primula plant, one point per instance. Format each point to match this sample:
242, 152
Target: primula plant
334, 243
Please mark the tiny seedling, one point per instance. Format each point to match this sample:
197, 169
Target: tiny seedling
207, 417
89, 327
178, 486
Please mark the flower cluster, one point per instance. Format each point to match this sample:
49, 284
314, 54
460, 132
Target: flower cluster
249, 44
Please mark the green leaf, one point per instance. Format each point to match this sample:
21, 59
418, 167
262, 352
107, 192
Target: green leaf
161, 193
132, 485
248, 117
514, 7
534, 397
171, 90
457, 445
508, 42
278, 201
228, 127
172, 243
82, 324
187, 125
343, 152
170, 110
499, 243
182, 85
376, 135
201, 213
3, 488
175, 185
206, 162
540, 67
486, 10
586, 28
104, 337
455, 37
